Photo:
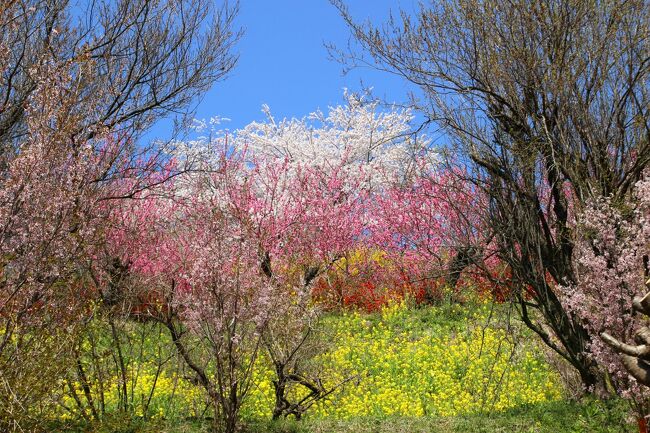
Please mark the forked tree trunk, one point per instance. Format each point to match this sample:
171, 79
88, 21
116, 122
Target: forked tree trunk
636, 358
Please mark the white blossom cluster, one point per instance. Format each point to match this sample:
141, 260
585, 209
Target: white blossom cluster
358, 133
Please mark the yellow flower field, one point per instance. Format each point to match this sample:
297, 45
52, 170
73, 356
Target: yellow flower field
415, 371
402, 361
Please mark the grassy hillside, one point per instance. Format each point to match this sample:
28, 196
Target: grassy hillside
442, 369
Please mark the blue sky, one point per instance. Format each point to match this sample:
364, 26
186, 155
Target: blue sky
283, 62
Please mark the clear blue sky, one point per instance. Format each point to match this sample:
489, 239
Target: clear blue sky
283, 62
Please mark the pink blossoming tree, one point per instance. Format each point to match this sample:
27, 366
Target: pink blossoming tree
611, 263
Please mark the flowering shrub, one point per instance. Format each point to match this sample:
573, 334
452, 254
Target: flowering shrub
368, 280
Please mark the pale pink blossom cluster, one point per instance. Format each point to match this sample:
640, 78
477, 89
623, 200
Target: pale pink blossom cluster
47, 211
613, 239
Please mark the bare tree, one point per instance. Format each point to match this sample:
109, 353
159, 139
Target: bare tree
548, 103
131, 61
